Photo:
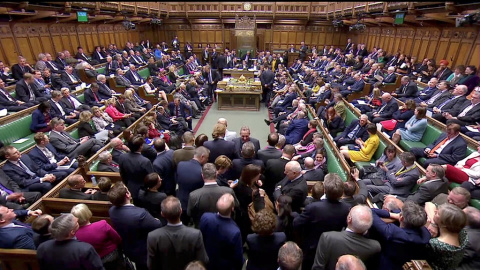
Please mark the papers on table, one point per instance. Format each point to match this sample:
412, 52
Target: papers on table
225, 79
20, 141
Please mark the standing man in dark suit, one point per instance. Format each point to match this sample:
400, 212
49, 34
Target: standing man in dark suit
303, 51
64, 250
384, 112
219, 230
270, 152
349, 45
67, 145
218, 145
189, 177
275, 169
12, 196
352, 241
205, 199
407, 89
214, 59
267, 79
132, 223
164, 166
26, 91
211, 79
205, 56
245, 137
221, 63
448, 148
293, 185
14, 236
173, 246
134, 167
22, 67
322, 216
356, 129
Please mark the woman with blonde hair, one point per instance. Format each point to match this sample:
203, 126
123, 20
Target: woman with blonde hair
101, 236
101, 121
123, 120
86, 127
223, 164
130, 103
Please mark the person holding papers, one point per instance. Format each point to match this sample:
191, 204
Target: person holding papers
47, 157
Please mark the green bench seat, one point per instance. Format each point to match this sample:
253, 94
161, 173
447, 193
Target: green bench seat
74, 133
81, 98
15, 130
101, 70
144, 73
430, 135
349, 117
94, 166
333, 164
381, 148
473, 202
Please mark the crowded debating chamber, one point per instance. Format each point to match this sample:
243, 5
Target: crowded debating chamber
239, 135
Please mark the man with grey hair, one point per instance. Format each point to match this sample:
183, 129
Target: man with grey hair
245, 137
64, 251
247, 157
471, 256
229, 135
356, 129
205, 198
290, 256
104, 91
293, 185
41, 63
119, 148
349, 262
106, 163
334, 244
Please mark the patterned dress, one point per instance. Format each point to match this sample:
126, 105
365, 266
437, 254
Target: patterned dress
443, 256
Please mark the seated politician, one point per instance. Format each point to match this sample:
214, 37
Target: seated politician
75, 189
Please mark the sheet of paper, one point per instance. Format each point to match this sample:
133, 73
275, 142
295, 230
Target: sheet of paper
20, 141
429, 113
472, 129
361, 102
3, 112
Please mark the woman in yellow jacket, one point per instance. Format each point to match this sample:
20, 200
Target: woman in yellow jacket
367, 149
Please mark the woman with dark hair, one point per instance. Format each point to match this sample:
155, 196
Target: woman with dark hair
414, 128
41, 118
248, 182
367, 149
151, 196
471, 78
200, 139
446, 251
264, 244
334, 123
285, 216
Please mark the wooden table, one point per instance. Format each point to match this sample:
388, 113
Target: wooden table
236, 73
247, 100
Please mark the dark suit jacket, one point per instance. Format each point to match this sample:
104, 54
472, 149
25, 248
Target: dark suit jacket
319, 217
428, 191
4, 100
164, 166
408, 91
472, 116
205, 200
67, 193
20, 176
189, 178
133, 224
314, 175
453, 104
333, 244
263, 250
471, 256
42, 161
295, 131
131, 78
297, 189
390, 78
61, 63
38, 121
219, 147
240, 163
102, 167
17, 72
273, 171
16, 237
22, 92
357, 86
69, 81
402, 187
74, 255
399, 245
55, 111
90, 98
66, 103
361, 133
133, 169
267, 78
390, 108
104, 91
62, 144
173, 247
452, 152
183, 111
83, 57
270, 152
116, 155
215, 77
239, 143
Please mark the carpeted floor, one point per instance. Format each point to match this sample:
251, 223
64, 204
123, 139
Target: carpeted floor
236, 119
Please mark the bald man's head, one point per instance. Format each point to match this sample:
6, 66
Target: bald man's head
225, 204
222, 121
349, 262
309, 163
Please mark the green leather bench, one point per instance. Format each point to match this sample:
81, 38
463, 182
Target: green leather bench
101, 70
376, 155
144, 73
349, 117
430, 135
15, 130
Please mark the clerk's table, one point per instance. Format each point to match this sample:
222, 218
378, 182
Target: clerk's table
239, 94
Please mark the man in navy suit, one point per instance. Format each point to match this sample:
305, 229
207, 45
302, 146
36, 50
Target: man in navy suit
293, 185
287, 101
46, 156
132, 224
384, 112
134, 166
9, 102
296, 129
26, 173
26, 90
219, 230
245, 137
270, 152
189, 177
322, 216
391, 77
356, 87
70, 78
104, 91
407, 89
12, 196
133, 76
448, 148
13, 236
356, 129
211, 79
179, 112
455, 100
427, 92
57, 109
163, 165
267, 79
22, 67
219, 146
92, 96
468, 113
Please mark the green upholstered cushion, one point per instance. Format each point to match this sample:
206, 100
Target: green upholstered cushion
430, 135
81, 98
94, 166
74, 133
350, 117
15, 130
333, 163
101, 70
407, 145
144, 73
181, 71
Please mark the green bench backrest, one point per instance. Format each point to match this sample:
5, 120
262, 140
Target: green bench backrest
101, 70
470, 151
333, 164
180, 71
81, 98
15, 130
430, 135
144, 73
380, 149
13, 94
94, 166
74, 133
350, 117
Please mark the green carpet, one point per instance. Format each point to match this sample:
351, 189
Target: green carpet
236, 119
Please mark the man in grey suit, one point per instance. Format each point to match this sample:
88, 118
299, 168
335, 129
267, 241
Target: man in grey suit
433, 184
351, 241
205, 199
173, 246
66, 144
400, 182
270, 152
245, 137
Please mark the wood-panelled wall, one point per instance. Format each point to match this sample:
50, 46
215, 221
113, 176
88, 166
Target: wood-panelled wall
30, 39
460, 46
